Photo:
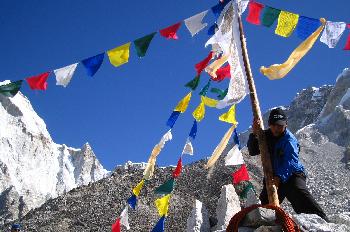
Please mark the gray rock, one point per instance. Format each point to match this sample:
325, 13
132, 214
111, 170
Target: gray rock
199, 219
313, 223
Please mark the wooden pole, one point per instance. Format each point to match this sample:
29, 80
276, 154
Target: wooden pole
265, 156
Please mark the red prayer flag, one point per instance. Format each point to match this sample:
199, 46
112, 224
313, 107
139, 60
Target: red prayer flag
240, 175
116, 226
201, 65
254, 12
170, 32
222, 73
178, 169
347, 45
38, 82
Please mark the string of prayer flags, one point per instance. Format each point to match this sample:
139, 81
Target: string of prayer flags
11, 89
162, 205
119, 55
65, 74
278, 71
132, 201
306, 26
92, 64
254, 12
220, 148
172, 119
138, 188
193, 131
221, 93
287, 22
347, 45
194, 24
159, 227
229, 116
240, 175
116, 226
222, 73
193, 84
332, 33
178, 169
201, 65
205, 89
38, 82
270, 15
170, 32
166, 188
188, 148
148, 172
142, 44
183, 104
234, 156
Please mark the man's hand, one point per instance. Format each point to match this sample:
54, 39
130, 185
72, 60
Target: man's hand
276, 181
256, 126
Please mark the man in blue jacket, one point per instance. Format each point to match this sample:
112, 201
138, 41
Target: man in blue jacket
289, 173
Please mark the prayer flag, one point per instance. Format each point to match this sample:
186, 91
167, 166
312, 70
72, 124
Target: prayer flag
188, 148
218, 8
159, 227
209, 101
162, 205
199, 112
270, 15
222, 73
212, 29
116, 226
201, 65
132, 201
138, 188
38, 82
183, 104
194, 24
234, 156
193, 84
178, 169
172, 119
332, 33
65, 74
193, 131
166, 188
287, 22
229, 116
170, 32
142, 44
240, 175
119, 55
255, 9
221, 94
347, 45
11, 89
205, 89
278, 71
220, 148
124, 218
236, 138
92, 64
306, 26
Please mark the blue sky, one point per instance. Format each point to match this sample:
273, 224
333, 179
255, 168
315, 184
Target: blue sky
122, 111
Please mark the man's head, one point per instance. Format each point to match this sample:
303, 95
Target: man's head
15, 227
277, 122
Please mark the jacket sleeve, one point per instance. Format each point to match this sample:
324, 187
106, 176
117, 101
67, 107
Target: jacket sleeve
253, 145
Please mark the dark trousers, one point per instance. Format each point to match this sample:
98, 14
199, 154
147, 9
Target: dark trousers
298, 195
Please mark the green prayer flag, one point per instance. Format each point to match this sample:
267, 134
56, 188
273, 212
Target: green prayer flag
142, 44
270, 15
205, 89
246, 189
166, 188
221, 94
11, 89
193, 84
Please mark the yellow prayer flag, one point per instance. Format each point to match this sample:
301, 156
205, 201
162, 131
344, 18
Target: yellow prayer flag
138, 188
287, 22
162, 205
119, 55
183, 104
278, 71
209, 101
199, 112
229, 116
148, 173
220, 148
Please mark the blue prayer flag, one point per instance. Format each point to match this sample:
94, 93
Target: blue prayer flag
236, 139
193, 131
306, 26
132, 201
172, 119
159, 227
92, 64
211, 30
217, 9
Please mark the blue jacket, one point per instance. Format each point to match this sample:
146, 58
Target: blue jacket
284, 153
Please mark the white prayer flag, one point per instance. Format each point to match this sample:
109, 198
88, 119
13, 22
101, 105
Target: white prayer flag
65, 74
234, 156
188, 148
124, 218
194, 24
332, 33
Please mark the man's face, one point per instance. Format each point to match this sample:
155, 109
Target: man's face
277, 130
